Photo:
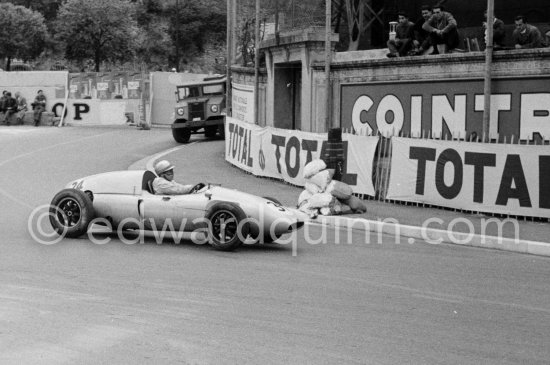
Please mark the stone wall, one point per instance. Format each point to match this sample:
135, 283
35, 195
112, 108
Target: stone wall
364, 67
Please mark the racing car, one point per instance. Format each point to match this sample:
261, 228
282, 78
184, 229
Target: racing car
125, 200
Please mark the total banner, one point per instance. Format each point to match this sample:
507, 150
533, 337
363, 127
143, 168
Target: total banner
493, 178
282, 153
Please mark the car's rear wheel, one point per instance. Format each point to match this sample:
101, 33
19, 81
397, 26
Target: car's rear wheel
181, 135
210, 132
226, 227
71, 212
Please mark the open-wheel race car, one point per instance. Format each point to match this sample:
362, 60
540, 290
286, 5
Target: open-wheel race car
125, 200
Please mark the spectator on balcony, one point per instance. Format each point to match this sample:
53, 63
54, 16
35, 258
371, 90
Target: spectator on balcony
526, 35
404, 35
443, 30
498, 32
421, 41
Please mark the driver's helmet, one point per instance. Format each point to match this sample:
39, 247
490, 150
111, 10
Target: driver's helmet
162, 166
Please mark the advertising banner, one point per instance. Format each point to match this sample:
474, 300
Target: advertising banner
103, 84
282, 154
519, 108
135, 85
107, 85
493, 178
75, 80
91, 111
243, 102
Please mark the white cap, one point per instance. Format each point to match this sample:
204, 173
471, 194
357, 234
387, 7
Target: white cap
163, 166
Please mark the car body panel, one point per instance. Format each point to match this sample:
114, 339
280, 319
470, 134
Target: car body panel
123, 197
115, 182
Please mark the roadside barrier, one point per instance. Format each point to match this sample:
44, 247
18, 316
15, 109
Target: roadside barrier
505, 177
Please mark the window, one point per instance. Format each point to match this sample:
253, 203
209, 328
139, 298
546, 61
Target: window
183, 92
213, 89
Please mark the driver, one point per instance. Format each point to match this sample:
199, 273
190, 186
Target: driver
164, 184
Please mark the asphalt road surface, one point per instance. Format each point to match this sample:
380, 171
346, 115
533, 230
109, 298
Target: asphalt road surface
352, 302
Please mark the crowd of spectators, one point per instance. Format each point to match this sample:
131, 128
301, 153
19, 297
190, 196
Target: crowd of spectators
436, 32
15, 107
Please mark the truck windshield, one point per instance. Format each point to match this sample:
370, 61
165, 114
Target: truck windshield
212, 89
188, 92
183, 92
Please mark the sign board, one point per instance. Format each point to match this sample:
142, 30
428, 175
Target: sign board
91, 111
519, 107
493, 178
282, 153
243, 103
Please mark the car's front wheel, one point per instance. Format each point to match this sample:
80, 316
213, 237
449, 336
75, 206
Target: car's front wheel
227, 228
71, 212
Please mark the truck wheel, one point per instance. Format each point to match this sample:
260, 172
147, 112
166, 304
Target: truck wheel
221, 131
71, 212
181, 135
210, 132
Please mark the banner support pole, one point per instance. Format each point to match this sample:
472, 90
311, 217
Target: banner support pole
488, 67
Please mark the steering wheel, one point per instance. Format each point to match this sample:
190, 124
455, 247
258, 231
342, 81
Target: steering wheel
197, 187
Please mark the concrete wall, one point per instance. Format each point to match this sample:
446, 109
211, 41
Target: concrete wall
53, 83
361, 68
373, 68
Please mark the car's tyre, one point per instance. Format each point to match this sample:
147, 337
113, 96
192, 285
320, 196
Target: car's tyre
181, 135
71, 212
226, 229
210, 132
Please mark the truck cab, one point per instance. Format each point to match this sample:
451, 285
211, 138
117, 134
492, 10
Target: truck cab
200, 108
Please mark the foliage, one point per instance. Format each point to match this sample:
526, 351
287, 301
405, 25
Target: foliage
48, 8
153, 41
193, 25
355, 11
158, 33
23, 33
101, 30
246, 44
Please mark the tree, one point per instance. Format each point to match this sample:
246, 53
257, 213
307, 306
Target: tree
154, 43
101, 30
195, 24
23, 33
48, 8
355, 10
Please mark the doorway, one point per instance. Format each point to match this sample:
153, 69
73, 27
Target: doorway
288, 96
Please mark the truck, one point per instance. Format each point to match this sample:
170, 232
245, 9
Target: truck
200, 108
